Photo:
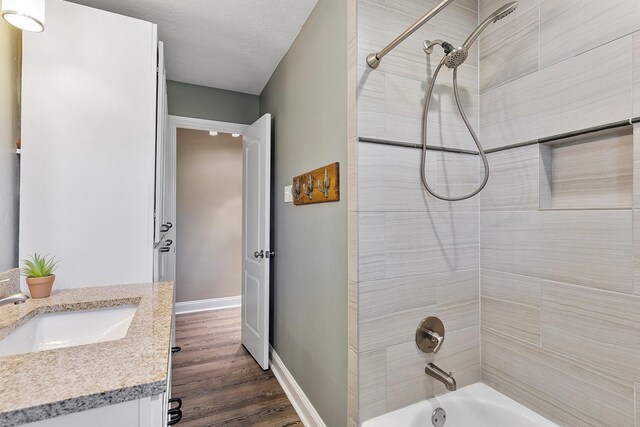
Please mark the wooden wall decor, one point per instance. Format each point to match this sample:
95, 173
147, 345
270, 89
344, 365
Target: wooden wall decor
318, 186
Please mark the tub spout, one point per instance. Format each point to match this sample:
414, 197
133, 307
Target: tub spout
437, 373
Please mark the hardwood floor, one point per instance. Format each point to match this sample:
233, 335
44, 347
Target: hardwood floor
218, 381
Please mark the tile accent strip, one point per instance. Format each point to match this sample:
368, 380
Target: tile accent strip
543, 140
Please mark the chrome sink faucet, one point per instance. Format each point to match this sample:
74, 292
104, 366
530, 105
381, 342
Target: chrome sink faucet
15, 299
440, 375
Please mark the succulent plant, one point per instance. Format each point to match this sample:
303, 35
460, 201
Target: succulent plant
38, 266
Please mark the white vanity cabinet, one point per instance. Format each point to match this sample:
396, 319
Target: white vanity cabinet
145, 412
89, 125
151, 411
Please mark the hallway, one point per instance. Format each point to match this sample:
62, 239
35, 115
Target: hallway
218, 381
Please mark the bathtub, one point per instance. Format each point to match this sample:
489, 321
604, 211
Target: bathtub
476, 405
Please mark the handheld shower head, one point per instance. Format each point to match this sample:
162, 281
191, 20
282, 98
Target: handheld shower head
456, 57
494, 17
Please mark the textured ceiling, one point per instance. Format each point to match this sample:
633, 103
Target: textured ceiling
229, 44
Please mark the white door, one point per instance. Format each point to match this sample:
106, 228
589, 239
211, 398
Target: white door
256, 254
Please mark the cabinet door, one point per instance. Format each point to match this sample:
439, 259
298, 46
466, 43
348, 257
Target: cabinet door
88, 145
160, 172
145, 412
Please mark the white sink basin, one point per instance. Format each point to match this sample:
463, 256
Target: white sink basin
57, 330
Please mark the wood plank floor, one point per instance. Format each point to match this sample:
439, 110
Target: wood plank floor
218, 381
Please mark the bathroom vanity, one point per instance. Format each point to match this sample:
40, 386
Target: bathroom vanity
97, 356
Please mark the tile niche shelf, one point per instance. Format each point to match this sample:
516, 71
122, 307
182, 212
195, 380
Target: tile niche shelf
593, 171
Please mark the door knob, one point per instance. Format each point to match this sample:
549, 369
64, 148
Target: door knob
258, 254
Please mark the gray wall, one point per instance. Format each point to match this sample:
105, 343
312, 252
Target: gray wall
417, 256
9, 130
209, 215
209, 103
308, 100
557, 262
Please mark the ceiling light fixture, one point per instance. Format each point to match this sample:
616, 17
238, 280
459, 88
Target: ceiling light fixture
213, 133
28, 15
235, 135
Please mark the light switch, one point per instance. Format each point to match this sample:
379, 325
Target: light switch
288, 197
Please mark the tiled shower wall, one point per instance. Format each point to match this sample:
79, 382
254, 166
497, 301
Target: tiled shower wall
416, 256
560, 306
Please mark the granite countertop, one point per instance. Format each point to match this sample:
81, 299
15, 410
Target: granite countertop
45, 384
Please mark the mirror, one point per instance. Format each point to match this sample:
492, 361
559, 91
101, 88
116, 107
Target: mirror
10, 60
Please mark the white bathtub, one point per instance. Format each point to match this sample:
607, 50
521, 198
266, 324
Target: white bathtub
476, 405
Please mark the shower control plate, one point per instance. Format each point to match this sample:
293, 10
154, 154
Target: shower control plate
424, 334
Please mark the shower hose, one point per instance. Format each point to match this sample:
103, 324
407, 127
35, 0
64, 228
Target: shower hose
425, 113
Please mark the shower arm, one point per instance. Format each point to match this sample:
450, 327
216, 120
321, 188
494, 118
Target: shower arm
373, 59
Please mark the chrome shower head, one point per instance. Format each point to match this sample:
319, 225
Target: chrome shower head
494, 17
504, 11
456, 57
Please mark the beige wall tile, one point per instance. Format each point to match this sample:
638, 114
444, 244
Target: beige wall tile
636, 165
380, 298
457, 175
452, 191
455, 168
370, 102
487, 7
352, 246
509, 52
558, 388
636, 74
636, 251
381, 21
458, 300
352, 315
404, 100
406, 381
371, 260
513, 182
371, 384
571, 27
636, 387
597, 327
521, 290
390, 178
591, 248
352, 385
590, 172
422, 244
460, 355
455, 295
511, 304
378, 24
381, 332
352, 172
553, 101
516, 320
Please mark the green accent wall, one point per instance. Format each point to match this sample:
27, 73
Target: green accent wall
307, 97
202, 102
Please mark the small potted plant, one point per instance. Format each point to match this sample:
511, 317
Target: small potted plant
38, 270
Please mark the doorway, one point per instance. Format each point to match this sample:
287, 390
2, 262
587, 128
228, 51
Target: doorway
209, 220
221, 202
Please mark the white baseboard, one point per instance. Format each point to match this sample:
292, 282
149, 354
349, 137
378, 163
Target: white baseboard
207, 304
305, 410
